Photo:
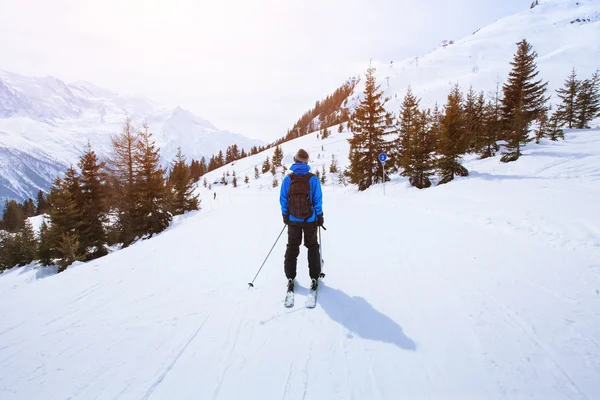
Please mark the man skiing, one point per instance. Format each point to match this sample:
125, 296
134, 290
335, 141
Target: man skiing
301, 205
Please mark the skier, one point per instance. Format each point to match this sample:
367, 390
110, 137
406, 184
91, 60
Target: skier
301, 205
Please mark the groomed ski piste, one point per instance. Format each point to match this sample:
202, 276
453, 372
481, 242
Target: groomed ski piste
485, 288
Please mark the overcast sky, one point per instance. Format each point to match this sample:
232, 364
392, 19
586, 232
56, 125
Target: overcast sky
248, 66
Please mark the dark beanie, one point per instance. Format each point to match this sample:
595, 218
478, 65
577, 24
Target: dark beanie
301, 156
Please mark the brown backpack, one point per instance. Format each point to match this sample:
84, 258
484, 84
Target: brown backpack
299, 204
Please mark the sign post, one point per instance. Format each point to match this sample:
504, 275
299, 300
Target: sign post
383, 158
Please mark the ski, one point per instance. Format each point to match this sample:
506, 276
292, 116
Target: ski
311, 298
289, 300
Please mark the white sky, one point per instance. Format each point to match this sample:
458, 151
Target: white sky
248, 66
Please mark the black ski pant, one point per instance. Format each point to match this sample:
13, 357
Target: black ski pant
293, 249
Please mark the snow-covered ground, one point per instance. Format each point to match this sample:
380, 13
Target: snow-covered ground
484, 288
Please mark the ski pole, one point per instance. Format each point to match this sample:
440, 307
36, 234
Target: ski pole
322, 274
251, 284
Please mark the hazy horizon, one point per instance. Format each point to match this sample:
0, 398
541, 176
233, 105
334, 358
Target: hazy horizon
248, 67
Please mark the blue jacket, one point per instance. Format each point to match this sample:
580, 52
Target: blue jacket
316, 196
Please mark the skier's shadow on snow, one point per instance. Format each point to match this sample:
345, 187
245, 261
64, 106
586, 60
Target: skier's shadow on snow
361, 319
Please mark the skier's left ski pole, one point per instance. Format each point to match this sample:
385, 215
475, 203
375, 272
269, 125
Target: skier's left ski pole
322, 274
251, 284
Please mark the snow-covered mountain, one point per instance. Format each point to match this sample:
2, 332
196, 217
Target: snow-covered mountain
564, 33
45, 123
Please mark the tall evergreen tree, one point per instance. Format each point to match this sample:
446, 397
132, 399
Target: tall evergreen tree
256, 172
420, 151
94, 211
491, 129
523, 100
277, 156
219, 159
68, 250
473, 119
333, 167
13, 216
266, 166
408, 124
26, 244
451, 143
151, 189
555, 128
125, 167
28, 208
371, 123
567, 109
323, 175
183, 186
541, 126
42, 203
588, 101
64, 215
44, 249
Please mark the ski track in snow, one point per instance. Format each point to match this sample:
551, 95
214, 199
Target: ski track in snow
175, 359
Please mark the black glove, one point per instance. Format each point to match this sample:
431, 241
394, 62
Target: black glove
320, 220
286, 218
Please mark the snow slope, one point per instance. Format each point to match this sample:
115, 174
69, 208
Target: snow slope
45, 125
564, 33
485, 288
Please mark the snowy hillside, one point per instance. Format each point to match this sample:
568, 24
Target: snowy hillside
485, 288
564, 33
45, 124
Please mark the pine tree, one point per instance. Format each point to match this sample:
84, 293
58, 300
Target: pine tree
266, 166
256, 172
13, 216
406, 130
491, 129
523, 100
421, 147
541, 126
42, 203
205, 182
323, 176
275, 182
68, 250
342, 179
588, 101
94, 210
64, 215
150, 184
273, 170
341, 128
182, 186
234, 181
44, 249
333, 167
26, 244
473, 119
246, 179
28, 208
567, 109
125, 167
554, 128
318, 174
370, 123
277, 156
219, 159
450, 143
